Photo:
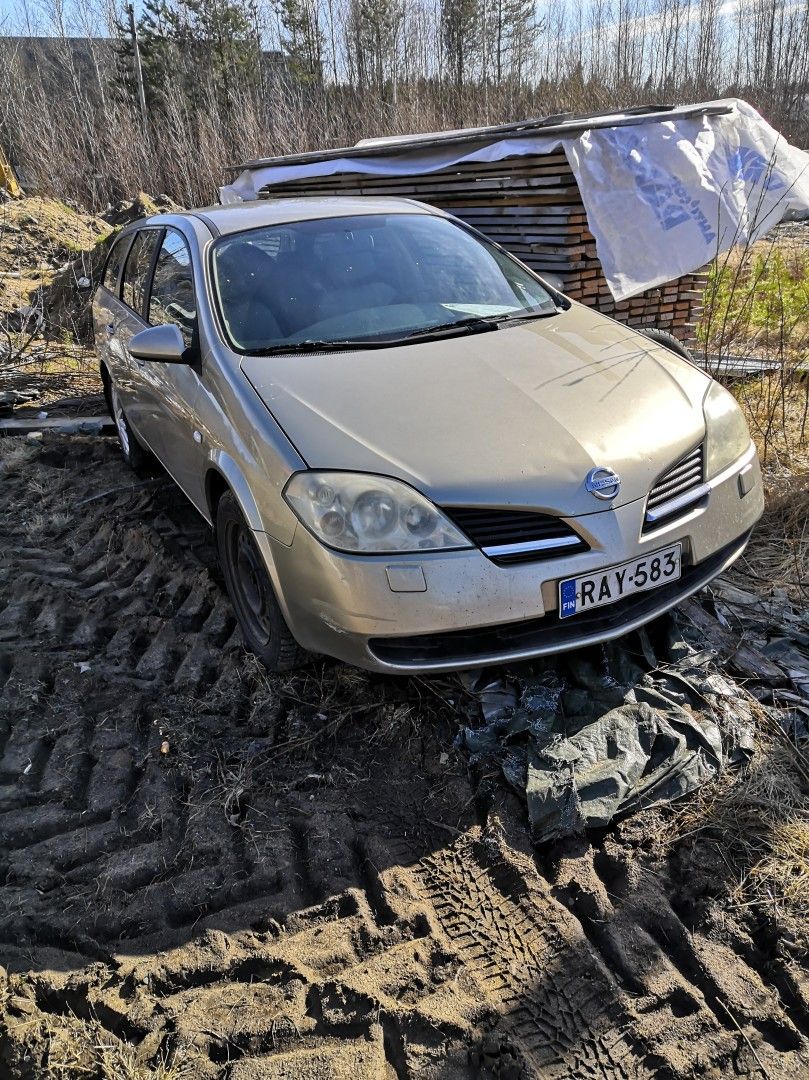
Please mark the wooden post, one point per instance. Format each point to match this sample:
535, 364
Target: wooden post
133, 29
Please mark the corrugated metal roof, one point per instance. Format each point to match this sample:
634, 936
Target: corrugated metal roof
560, 124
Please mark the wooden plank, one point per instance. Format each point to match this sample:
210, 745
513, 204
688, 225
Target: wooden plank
542, 247
550, 197
463, 183
477, 194
517, 166
507, 167
554, 263
522, 229
428, 192
563, 251
571, 214
740, 367
63, 425
525, 218
470, 183
517, 163
521, 226
437, 186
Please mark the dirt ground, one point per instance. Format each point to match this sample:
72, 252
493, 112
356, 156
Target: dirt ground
213, 873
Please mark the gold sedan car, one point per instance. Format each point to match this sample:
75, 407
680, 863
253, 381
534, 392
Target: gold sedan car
415, 454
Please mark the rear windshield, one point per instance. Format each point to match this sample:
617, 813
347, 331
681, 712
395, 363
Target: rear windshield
365, 278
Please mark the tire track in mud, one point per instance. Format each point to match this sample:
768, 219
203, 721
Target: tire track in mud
110, 844
299, 886
561, 1004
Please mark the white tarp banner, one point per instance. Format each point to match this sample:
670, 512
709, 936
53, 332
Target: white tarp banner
663, 197
405, 163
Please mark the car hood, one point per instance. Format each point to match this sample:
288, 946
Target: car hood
515, 417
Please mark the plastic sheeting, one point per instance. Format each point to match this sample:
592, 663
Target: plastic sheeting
609, 739
663, 197
406, 163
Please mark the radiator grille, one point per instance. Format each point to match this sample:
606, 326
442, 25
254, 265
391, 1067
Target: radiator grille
681, 480
516, 536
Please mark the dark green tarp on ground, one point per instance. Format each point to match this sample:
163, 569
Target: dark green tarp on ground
596, 735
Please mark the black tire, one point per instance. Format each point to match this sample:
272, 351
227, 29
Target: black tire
136, 456
105, 382
668, 341
250, 590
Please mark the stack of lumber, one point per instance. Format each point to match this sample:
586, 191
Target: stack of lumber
533, 207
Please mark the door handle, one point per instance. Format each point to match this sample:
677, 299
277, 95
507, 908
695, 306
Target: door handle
111, 329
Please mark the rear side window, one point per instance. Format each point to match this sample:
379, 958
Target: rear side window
172, 297
136, 271
112, 270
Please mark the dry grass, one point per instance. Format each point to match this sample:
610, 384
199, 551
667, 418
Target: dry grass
16, 454
89, 1050
47, 523
784, 869
757, 305
83, 1049
761, 819
777, 412
778, 554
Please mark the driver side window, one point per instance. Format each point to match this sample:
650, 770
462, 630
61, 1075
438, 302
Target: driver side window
172, 298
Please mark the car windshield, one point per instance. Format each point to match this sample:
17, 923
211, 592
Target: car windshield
368, 280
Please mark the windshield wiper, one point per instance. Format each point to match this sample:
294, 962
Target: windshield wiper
524, 316
475, 324
471, 325
311, 346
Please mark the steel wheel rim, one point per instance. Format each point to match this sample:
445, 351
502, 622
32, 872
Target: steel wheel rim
120, 422
251, 584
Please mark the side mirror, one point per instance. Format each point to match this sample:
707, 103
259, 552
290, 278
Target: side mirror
160, 344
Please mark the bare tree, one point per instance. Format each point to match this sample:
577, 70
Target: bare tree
230, 79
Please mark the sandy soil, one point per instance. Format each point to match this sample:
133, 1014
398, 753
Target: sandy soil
38, 238
212, 873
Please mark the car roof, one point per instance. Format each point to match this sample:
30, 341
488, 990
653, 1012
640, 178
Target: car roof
236, 217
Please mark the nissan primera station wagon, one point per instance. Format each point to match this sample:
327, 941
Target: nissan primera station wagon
415, 454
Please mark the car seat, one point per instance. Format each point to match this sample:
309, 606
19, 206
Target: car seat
245, 278
355, 275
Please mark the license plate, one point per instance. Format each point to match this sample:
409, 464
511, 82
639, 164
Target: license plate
606, 586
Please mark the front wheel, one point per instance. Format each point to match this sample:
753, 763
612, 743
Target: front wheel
668, 341
265, 632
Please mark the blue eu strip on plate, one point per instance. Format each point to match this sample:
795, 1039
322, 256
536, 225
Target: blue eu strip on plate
568, 593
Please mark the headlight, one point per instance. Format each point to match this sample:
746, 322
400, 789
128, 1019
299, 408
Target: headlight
727, 435
356, 512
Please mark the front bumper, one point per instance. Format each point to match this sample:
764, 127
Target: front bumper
461, 610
